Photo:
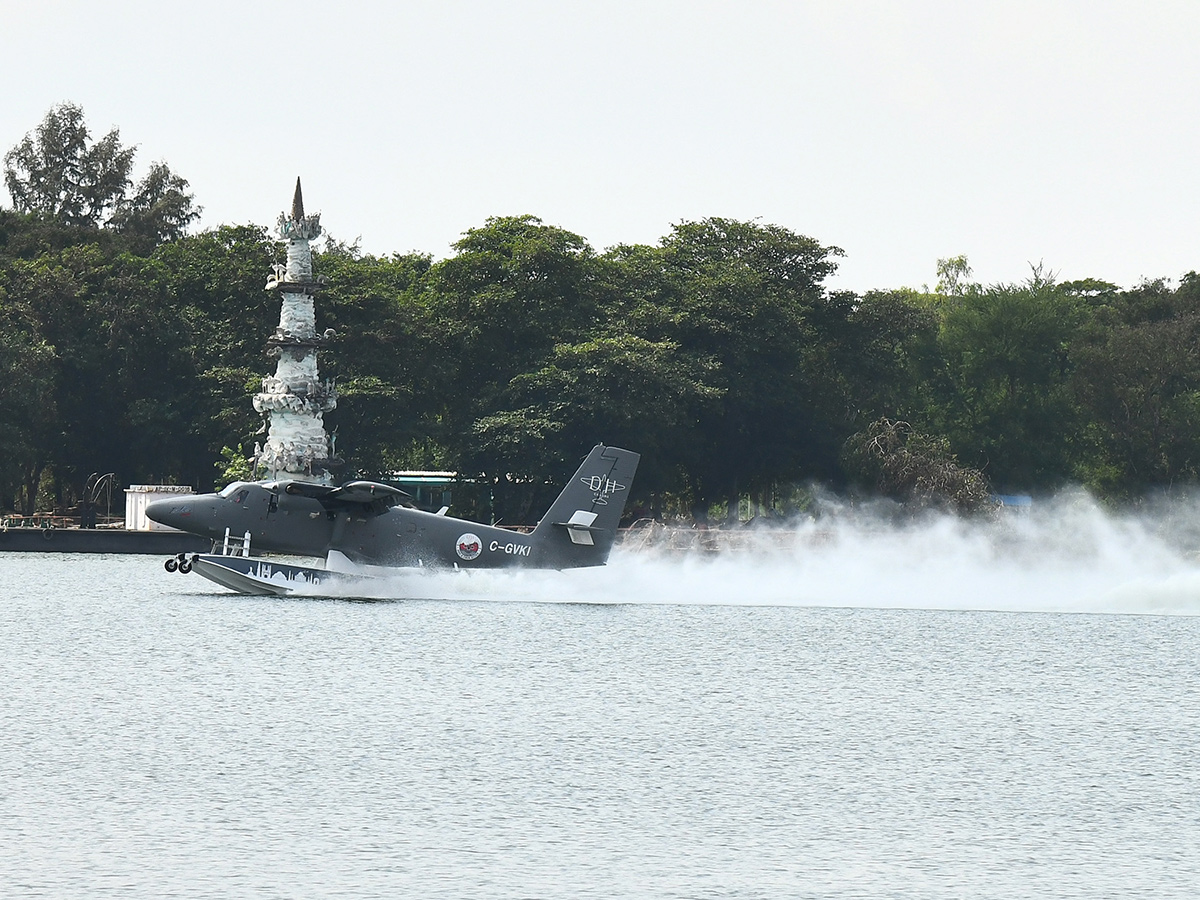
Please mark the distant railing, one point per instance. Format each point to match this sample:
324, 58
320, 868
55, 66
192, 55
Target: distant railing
51, 520
653, 536
38, 521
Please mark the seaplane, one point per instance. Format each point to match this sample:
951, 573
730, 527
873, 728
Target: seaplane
362, 531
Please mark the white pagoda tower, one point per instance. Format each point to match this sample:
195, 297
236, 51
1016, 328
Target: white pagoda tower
294, 400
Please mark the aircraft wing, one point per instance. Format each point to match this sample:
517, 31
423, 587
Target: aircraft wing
373, 496
369, 492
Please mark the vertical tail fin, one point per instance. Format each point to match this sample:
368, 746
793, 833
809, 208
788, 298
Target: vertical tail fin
581, 524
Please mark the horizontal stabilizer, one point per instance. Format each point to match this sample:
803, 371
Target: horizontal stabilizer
579, 527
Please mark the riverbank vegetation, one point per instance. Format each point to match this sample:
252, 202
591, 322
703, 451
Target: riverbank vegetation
720, 353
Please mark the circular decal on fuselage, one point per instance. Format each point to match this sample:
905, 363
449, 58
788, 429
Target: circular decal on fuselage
468, 546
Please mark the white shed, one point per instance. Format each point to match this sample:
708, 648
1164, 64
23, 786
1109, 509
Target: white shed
139, 496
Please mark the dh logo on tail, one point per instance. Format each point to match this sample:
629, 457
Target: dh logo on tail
602, 487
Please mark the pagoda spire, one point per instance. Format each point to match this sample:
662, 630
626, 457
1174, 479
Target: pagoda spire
298, 203
294, 400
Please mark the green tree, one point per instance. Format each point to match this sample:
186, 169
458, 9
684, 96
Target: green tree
1137, 378
515, 289
619, 388
221, 316
27, 411
159, 211
954, 276
116, 385
386, 359
773, 370
57, 171
885, 356
748, 299
1009, 410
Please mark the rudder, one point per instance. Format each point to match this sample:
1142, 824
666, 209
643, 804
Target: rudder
582, 522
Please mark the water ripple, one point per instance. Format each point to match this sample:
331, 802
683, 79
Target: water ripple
158, 739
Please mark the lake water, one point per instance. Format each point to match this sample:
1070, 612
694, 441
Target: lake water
926, 714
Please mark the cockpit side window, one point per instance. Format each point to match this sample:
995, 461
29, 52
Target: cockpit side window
237, 492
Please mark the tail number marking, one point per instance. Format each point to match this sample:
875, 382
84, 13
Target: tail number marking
602, 487
510, 549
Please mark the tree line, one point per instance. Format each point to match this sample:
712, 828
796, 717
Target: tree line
720, 353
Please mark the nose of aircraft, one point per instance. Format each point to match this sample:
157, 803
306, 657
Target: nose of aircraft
177, 512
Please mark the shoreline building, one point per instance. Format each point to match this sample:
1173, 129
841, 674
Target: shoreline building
294, 400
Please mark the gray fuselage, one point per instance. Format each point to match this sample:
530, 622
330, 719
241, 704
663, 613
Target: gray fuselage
280, 522
362, 521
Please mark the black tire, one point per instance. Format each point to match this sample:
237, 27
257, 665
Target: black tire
185, 567
171, 564
46, 533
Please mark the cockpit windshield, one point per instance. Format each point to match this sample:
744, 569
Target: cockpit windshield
230, 489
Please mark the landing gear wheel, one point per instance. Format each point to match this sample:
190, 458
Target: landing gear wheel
171, 564
185, 567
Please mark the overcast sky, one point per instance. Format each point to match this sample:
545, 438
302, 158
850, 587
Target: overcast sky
1013, 132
